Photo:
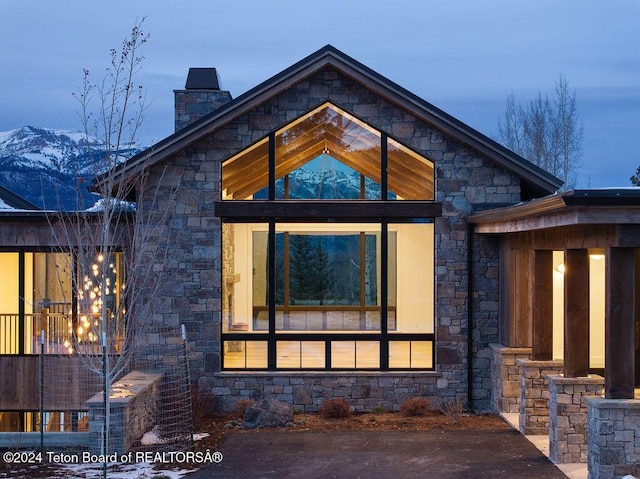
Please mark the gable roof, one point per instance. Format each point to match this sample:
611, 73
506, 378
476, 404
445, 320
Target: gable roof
15, 201
538, 180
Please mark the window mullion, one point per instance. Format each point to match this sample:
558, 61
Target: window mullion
271, 245
272, 166
21, 300
384, 300
384, 185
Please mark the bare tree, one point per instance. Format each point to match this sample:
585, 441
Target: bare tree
108, 244
546, 132
569, 131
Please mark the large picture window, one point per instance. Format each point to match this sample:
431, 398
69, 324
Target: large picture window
324, 268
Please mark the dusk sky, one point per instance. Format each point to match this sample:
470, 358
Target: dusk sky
463, 56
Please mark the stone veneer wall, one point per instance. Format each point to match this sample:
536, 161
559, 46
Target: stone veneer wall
505, 377
568, 416
307, 391
133, 411
614, 437
191, 105
464, 180
534, 394
484, 307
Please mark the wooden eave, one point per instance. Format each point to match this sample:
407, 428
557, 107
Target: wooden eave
580, 207
329, 57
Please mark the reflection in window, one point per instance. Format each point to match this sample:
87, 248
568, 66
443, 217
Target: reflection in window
328, 154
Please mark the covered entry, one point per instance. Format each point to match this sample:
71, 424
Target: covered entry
569, 314
587, 242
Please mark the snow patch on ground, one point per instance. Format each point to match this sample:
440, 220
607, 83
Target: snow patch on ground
139, 470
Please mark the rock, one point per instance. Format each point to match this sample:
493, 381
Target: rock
267, 413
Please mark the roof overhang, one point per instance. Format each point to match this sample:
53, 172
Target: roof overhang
329, 57
577, 207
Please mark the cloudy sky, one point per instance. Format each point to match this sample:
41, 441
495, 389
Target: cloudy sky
464, 56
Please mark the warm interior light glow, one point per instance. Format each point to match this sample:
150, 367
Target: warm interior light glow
560, 268
596, 257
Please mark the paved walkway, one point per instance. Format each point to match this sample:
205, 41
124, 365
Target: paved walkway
380, 454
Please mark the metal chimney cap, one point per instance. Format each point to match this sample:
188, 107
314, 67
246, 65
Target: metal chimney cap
202, 79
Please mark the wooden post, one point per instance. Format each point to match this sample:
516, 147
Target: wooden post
619, 373
576, 313
542, 342
637, 312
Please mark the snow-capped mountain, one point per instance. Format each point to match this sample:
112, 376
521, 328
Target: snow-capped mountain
49, 167
309, 184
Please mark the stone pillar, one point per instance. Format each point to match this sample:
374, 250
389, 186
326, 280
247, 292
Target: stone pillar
505, 377
614, 437
534, 394
576, 313
568, 416
620, 324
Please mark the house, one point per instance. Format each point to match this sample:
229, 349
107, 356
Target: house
333, 234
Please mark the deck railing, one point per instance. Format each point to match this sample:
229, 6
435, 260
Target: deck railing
21, 334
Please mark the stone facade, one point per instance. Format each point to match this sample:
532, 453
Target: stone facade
307, 391
505, 377
568, 441
534, 394
614, 437
191, 105
465, 180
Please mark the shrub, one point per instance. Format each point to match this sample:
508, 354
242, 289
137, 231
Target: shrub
335, 408
453, 409
241, 406
415, 406
379, 410
202, 405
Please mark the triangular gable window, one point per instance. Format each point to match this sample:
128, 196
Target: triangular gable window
328, 154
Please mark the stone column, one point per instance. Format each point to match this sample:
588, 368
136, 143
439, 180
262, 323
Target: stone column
614, 437
505, 377
534, 394
568, 416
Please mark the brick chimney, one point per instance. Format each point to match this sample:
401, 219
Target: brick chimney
201, 96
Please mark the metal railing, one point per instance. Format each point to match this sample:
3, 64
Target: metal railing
21, 334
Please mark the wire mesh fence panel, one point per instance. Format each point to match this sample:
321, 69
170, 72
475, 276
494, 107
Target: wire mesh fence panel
173, 427
149, 399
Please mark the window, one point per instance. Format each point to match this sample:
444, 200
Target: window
58, 421
37, 296
324, 267
328, 154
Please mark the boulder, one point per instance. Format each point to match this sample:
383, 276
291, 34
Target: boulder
267, 413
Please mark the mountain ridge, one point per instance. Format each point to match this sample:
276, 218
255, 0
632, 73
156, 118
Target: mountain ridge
51, 168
